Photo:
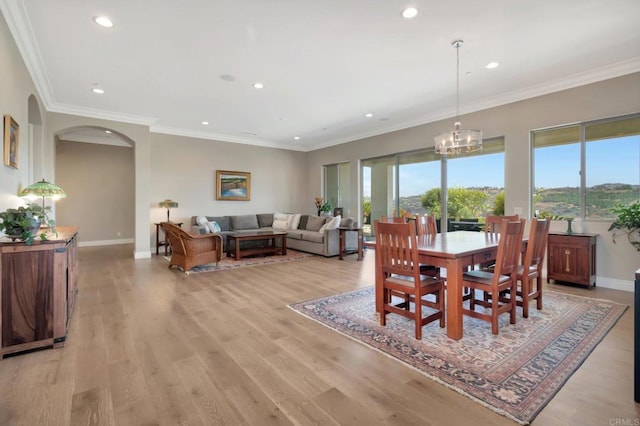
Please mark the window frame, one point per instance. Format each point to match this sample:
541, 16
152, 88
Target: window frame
582, 130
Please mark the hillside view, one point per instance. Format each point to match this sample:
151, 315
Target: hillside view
563, 201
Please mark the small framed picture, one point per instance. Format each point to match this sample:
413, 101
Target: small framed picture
11, 141
233, 186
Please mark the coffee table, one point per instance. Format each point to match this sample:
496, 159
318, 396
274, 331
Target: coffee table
235, 239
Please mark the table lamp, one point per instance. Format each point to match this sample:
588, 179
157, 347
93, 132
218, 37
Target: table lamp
43, 189
168, 204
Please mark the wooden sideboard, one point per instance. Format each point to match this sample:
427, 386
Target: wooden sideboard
572, 258
38, 286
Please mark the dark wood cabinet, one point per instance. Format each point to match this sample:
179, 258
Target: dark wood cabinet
572, 258
38, 285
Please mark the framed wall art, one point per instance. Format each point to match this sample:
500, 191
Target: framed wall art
233, 186
11, 141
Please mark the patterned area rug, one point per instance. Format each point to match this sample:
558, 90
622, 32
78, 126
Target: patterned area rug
227, 263
515, 373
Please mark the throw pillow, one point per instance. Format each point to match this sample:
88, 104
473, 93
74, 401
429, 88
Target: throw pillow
332, 224
314, 223
202, 223
213, 227
279, 224
295, 221
347, 222
280, 216
265, 220
303, 221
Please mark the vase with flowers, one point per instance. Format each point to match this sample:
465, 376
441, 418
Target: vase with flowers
323, 207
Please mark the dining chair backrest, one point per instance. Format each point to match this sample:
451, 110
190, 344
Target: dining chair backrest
509, 248
397, 249
492, 222
426, 225
536, 244
393, 219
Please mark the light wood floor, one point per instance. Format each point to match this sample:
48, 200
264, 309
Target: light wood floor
151, 346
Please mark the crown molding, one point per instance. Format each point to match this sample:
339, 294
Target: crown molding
102, 115
19, 24
176, 131
610, 71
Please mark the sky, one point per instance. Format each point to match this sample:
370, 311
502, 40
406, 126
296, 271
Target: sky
556, 166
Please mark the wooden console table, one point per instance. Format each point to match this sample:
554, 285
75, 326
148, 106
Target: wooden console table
38, 286
572, 258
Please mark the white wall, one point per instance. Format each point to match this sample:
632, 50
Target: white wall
616, 263
184, 170
15, 88
99, 181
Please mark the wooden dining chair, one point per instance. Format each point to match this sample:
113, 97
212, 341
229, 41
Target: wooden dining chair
393, 219
426, 225
399, 271
492, 227
530, 272
492, 222
502, 278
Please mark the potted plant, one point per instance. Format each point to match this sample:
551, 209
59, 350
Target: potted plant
23, 223
627, 221
326, 208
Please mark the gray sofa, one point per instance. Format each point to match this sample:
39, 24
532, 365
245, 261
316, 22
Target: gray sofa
305, 238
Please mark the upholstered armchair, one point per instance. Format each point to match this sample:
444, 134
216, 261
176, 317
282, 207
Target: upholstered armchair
189, 250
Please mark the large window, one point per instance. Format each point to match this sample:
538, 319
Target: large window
475, 181
585, 169
411, 182
336, 185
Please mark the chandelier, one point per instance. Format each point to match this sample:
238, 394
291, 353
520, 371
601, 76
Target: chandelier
458, 141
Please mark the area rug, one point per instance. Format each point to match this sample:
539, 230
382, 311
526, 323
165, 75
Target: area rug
515, 373
227, 263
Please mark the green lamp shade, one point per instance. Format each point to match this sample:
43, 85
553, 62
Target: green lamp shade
168, 204
43, 189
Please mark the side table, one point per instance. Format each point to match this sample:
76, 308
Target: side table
164, 243
349, 250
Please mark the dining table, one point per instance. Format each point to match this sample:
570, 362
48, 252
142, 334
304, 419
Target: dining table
454, 251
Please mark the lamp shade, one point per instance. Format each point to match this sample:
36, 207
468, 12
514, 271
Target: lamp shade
168, 204
43, 189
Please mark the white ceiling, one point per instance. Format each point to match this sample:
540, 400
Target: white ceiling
324, 64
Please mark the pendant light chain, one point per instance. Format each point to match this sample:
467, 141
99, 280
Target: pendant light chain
458, 141
458, 43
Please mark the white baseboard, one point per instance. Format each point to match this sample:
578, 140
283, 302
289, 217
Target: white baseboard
613, 283
141, 254
105, 242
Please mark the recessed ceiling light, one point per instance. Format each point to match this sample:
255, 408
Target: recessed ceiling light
368, 115
108, 132
492, 65
98, 90
410, 12
103, 21
228, 77
258, 85
296, 138
205, 123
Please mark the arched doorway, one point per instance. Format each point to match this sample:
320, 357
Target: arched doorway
95, 166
